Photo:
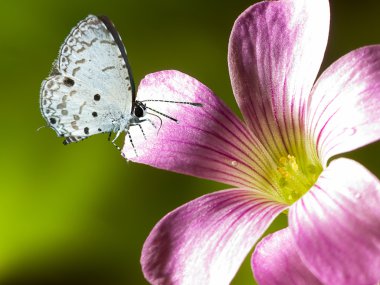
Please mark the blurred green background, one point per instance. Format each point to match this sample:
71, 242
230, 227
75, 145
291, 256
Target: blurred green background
80, 214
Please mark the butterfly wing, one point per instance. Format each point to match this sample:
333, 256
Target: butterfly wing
90, 86
75, 109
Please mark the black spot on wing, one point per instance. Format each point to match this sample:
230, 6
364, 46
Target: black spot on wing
68, 82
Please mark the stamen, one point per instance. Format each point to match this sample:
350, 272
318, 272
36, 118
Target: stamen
294, 180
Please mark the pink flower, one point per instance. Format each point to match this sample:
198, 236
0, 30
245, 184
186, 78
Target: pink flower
276, 160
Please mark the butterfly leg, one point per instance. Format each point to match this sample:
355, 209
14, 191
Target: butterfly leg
113, 141
72, 139
131, 141
117, 135
115, 145
154, 125
142, 131
151, 122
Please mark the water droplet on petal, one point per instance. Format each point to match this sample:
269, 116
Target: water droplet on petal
349, 131
234, 163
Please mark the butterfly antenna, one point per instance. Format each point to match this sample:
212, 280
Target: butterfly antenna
176, 102
162, 114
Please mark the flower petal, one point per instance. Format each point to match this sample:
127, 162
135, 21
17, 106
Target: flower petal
276, 261
206, 240
345, 103
275, 52
336, 225
208, 141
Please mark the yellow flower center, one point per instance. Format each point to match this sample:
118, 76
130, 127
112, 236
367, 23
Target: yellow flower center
294, 179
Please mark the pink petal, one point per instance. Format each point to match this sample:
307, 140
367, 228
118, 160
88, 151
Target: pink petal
275, 52
345, 103
206, 240
336, 225
276, 261
209, 141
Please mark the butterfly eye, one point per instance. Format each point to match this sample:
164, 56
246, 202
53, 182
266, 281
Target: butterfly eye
139, 111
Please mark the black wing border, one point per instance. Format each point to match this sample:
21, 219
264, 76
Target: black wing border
112, 29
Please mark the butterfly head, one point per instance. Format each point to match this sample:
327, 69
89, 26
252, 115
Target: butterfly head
138, 114
139, 110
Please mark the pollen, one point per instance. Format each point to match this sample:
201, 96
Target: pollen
294, 179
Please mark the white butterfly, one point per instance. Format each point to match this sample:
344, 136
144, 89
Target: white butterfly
90, 89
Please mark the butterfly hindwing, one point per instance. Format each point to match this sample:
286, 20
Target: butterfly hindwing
74, 109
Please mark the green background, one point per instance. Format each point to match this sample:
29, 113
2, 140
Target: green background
80, 214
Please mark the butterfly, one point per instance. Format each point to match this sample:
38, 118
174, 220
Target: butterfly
90, 89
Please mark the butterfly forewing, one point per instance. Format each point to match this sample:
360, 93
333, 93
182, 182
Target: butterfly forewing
89, 87
91, 54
